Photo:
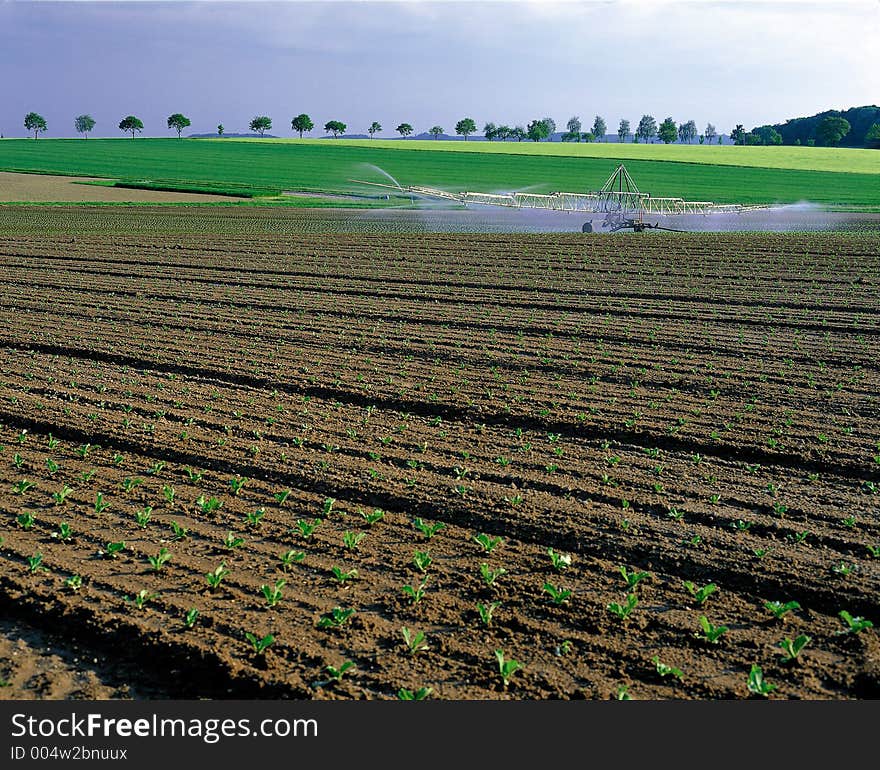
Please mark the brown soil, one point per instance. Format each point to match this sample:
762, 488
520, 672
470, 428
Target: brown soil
702, 408
34, 188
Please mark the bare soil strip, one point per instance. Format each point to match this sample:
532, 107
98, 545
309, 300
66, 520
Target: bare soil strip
44, 188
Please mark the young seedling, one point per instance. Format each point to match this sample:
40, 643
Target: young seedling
130, 483
341, 576
86, 476
141, 598
792, 648
558, 595
160, 559
232, 542
281, 497
255, 518
372, 518
61, 495
351, 540
422, 560
487, 543
307, 528
421, 694
101, 504
623, 611
414, 640
51, 466
622, 693
35, 563
215, 578
180, 532
633, 578
25, 520
757, 685
74, 582
665, 670
415, 593
700, 594
143, 516
112, 550
209, 505
428, 530
506, 668
194, 476
842, 568
778, 609
64, 532
189, 619
336, 674
560, 561
711, 633
20, 487
259, 645
854, 624
237, 484
168, 493
486, 611
490, 576
289, 558
273, 593
327, 506
335, 618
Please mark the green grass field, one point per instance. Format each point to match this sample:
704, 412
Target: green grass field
845, 160
327, 166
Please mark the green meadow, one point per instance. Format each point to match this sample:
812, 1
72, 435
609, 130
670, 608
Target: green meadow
266, 167
842, 159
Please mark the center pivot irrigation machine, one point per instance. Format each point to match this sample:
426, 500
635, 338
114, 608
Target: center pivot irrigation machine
624, 207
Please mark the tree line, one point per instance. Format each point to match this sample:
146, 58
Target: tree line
830, 131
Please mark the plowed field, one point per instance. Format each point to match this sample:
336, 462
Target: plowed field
391, 413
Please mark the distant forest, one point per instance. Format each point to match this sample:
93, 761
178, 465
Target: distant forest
805, 130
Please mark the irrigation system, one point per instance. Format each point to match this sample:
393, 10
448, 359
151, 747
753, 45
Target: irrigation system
619, 199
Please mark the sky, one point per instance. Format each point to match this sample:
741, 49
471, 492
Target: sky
431, 63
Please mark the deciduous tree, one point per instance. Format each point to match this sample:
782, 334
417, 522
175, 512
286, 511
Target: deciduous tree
131, 123
35, 122
336, 127
84, 124
465, 127
301, 123
831, 130
537, 130
647, 129
261, 124
667, 131
178, 122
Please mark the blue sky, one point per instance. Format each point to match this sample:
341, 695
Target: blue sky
430, 63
